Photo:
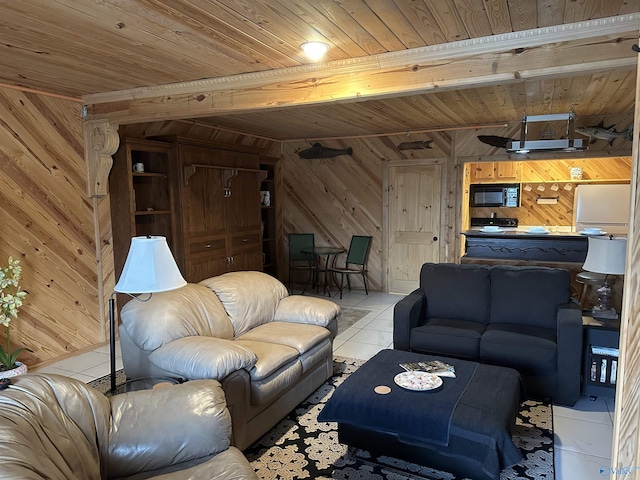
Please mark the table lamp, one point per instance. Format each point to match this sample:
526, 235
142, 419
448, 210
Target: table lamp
606, 255
149, 268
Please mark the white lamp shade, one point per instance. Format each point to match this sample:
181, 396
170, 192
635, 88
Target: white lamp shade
606, 255
149, 268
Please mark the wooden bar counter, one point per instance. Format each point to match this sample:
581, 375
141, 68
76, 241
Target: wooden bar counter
514, 244
566, 250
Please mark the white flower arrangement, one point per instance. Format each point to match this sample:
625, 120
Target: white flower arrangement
11, 297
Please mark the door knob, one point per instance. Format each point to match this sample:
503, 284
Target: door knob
435, 239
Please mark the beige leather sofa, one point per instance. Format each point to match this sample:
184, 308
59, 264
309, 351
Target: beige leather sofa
269, 350
58, 428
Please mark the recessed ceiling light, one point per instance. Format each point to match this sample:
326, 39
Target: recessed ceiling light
314, 50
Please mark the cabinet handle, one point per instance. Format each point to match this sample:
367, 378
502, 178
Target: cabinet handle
245, 239
208, 245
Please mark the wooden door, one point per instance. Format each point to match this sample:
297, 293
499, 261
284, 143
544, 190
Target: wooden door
414, 223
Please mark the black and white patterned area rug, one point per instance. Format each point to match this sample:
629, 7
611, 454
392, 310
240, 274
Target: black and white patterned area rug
301, 447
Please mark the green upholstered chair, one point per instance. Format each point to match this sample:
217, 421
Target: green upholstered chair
299, 261
356, 262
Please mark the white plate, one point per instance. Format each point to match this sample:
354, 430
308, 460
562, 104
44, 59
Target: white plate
418, 381
537, 232
583, 232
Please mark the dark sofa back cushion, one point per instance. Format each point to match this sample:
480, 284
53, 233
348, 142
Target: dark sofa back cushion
528, 295
459, 292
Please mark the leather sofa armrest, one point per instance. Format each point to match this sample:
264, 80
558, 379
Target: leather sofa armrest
569, 341
202, 357
311, 310
154, 429
407, 314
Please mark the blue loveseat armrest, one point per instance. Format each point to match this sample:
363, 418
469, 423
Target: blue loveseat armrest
407, 314
569, 341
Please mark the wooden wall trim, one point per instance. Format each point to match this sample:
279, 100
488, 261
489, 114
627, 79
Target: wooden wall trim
626, 428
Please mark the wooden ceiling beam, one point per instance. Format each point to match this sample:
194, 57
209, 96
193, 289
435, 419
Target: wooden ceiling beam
550, 52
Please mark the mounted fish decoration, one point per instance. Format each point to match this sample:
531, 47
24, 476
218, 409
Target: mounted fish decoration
496, 141
419, 145
318, 151
605, 133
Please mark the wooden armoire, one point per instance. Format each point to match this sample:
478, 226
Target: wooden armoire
211, 210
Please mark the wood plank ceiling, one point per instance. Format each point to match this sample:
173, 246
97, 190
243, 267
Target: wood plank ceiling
84, 47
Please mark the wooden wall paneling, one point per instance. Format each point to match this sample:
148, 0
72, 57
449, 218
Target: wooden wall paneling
626, 426
49, 225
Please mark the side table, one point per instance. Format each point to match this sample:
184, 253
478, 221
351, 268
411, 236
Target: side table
146, 383
601, 339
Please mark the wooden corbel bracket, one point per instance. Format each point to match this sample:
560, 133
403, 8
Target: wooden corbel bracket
101, 140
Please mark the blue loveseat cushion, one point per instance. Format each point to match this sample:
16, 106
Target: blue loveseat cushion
458, 338
528, 296
531, 350
457, 292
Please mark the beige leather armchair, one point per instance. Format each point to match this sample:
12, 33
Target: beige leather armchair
59, 428
269, 350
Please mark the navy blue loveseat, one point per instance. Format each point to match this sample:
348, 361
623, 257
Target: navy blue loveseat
518, 317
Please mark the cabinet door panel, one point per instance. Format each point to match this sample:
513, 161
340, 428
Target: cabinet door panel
242, 207
203, 203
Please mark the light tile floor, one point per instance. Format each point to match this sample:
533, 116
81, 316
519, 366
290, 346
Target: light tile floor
583, 433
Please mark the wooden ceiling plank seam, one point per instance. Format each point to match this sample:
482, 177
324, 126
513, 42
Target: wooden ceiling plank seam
550, 12
359, 25
523, 14
214, 29
387, 13
239, 21
110, 40
91, 72
282, 24
311, 17
446, 15
190, 44
420, 17
474, 17
498, 15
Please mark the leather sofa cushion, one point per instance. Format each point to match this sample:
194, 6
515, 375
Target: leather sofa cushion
250, 298
295, 335
271, 357
203, 357
459, 292
311, 310
441, 336
172, 438
530, 350
167, 316
528, 296
267, 389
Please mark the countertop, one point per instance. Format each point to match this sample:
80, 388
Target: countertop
523, 233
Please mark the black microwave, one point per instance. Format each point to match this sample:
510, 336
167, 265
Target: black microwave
495, 195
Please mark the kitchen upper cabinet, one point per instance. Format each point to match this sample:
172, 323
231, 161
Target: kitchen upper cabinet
217, 209
496, 172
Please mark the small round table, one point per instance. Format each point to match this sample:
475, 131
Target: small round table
322, 258
146, 383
